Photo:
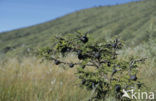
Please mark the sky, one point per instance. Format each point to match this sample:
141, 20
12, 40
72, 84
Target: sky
16, 14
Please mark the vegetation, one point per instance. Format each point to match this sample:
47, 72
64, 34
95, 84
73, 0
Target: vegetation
30, 80
109, 75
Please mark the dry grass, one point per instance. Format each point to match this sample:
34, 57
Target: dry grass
30, 80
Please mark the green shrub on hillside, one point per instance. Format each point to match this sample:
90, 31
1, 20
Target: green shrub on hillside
99, 69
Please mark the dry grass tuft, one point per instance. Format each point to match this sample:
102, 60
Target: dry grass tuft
30, 80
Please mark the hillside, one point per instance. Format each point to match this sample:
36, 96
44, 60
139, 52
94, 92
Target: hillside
133, 22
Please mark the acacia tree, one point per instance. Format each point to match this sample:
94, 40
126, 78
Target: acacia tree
98, 66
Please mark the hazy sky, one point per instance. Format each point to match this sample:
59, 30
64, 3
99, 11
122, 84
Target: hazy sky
21, 13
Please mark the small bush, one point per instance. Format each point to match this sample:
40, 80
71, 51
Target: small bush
99, 68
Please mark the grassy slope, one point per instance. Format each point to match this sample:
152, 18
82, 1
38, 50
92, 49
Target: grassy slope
129, 21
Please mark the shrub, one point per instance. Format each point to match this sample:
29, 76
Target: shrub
98, 68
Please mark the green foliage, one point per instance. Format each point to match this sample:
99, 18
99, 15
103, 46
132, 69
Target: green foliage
99, 68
